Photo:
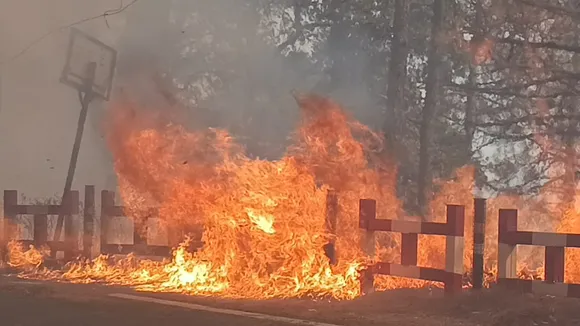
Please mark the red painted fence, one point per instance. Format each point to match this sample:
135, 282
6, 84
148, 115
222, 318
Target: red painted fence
555, 243
453, 230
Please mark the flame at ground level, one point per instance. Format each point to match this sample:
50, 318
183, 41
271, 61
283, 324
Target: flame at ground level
186, 274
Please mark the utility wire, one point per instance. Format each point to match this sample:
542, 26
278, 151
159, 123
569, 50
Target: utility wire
110, 12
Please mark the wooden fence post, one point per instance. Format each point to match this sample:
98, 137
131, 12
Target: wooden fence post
554, 264
507, 253
40, 230
331, 220
107, 202
479, 220
139, 232
409, 248
89, 221
367, 213
10, 204
454, 248
71, 203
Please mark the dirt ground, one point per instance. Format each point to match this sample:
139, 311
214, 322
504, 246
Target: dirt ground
32, 303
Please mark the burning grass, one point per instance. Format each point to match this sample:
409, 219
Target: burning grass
264, 226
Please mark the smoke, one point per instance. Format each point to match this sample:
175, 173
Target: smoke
219, 59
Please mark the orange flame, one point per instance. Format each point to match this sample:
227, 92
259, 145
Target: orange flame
27, 260
264, 222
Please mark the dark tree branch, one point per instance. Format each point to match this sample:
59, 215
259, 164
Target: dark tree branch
559, 10
541, 45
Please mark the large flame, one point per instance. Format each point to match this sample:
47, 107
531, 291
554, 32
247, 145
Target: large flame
264, 223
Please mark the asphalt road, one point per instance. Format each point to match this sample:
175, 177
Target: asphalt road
37, 306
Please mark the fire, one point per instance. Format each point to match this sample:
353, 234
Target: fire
264, 222
25, 260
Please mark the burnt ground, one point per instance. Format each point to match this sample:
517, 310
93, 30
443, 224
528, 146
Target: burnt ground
35, 303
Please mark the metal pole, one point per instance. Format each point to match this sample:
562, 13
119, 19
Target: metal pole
85, 100
479, 217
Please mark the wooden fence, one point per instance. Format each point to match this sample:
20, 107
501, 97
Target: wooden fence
109, 210
452, 276
71, 207
140, 245
509, 237
453, 230
40, 212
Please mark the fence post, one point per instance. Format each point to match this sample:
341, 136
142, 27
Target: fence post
139, 232
107, 202
454, 247
331, 219
10, 204
409, 248
507, 253
554, 264
70, 241
479, 220
367, 213
89, 221
40, 232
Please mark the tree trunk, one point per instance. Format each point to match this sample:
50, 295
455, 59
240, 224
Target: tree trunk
569, 186
394, 125
396, 76
471, 102
429, 109
338, 47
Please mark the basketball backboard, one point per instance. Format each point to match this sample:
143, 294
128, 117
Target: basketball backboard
82, 50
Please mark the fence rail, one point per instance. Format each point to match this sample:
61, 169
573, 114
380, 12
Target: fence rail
70, 207
140, 245
509, 237
40, 212
452, 276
